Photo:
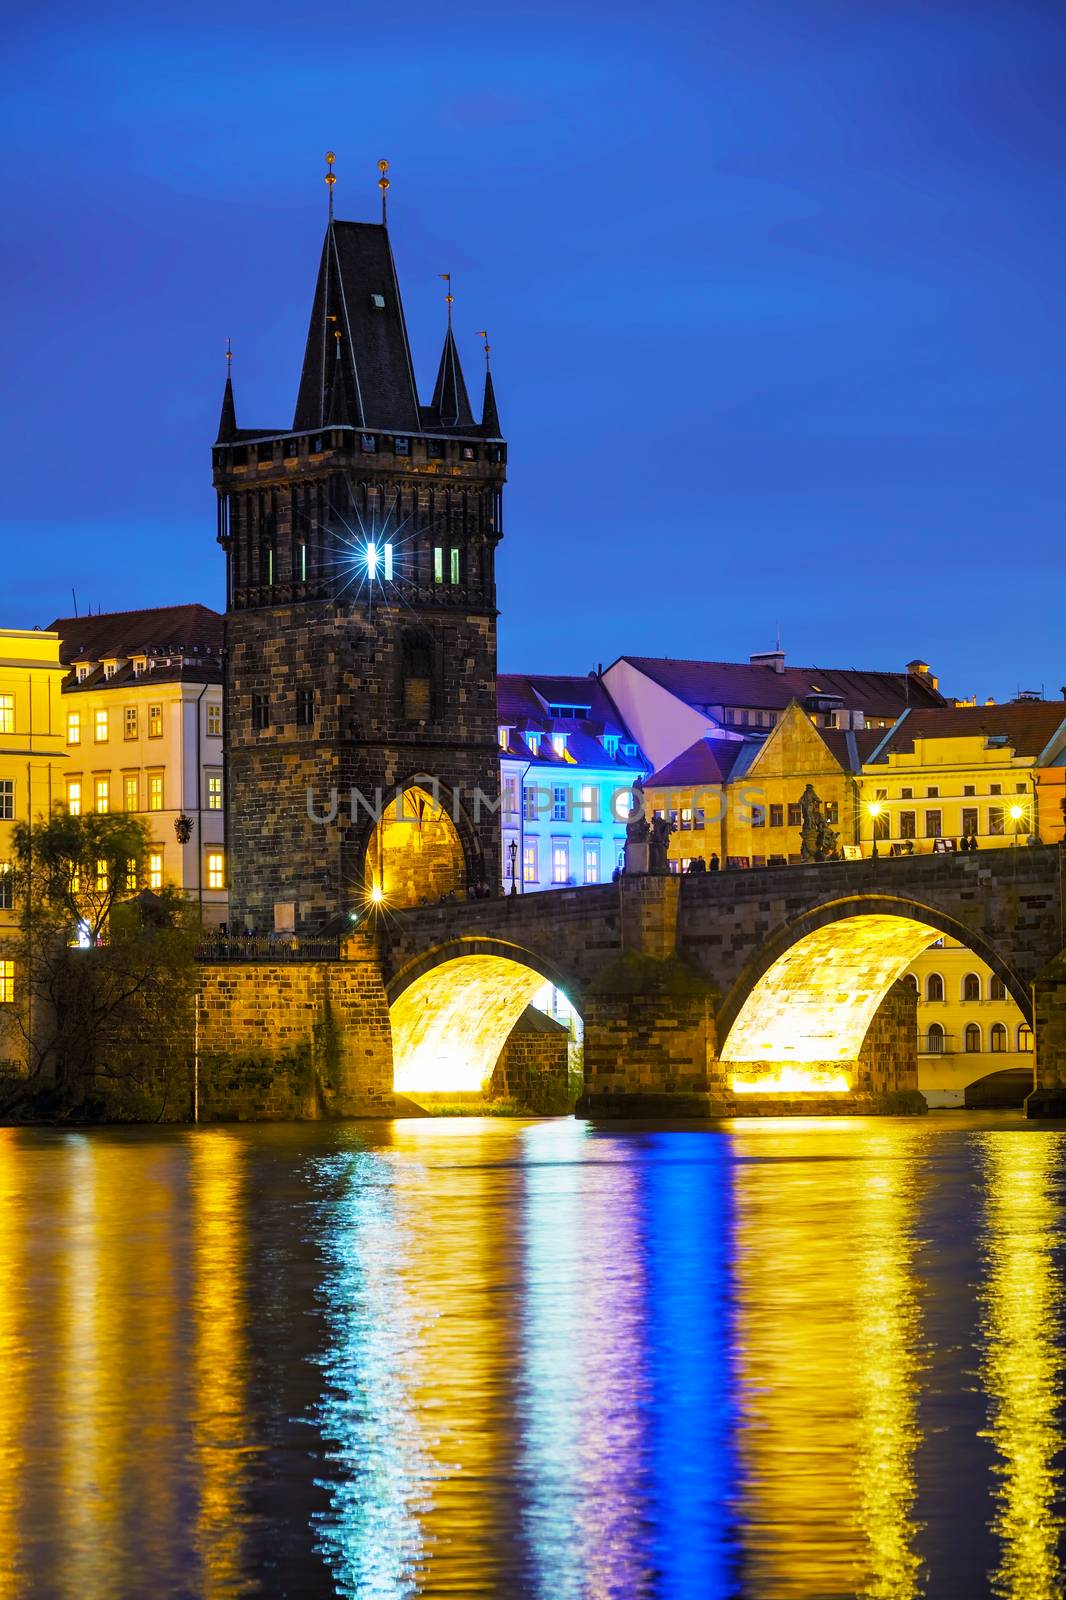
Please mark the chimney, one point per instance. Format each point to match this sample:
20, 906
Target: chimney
769, 658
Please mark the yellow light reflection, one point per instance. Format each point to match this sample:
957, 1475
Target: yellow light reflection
449, 1027
817, 1001
828, 1341
15, 1335
792, 1080
1022, 1367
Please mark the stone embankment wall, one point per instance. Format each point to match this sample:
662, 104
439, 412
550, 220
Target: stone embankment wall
293, 1041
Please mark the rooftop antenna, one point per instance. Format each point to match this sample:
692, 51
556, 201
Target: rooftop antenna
449, 297
777, 637
482, 333
331, 178
383, 185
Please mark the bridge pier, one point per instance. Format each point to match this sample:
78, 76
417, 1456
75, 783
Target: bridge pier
1048, 1098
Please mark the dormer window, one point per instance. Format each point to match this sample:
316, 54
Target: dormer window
504, 736
559, 744
610, 743
377, 302
84, 670
533, 741
140, 664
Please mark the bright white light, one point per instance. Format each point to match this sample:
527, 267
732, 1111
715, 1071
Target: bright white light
372, 561
388, 563
792, 1080
377, 894
1017, 813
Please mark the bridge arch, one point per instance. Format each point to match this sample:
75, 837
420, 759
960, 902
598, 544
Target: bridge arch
453, 1007
422, 846
811, 992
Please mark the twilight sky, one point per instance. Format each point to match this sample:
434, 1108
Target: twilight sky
774, 293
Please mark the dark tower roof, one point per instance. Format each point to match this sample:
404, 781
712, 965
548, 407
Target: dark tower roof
450, 406
490, 417
337, 405
227, 422
358, 295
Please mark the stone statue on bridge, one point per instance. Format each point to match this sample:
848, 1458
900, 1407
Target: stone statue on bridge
659, 849
637, 831
818, 842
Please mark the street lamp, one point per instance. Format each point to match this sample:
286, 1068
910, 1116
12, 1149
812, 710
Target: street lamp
875, 808
1017, 816
512, 851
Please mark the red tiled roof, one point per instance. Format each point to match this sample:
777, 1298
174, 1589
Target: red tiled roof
738, 683
159, 630
706, 761
1027, 726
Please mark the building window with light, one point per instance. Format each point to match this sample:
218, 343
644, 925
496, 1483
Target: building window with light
102, 795
305, 708
933, 824
438, 564
7, 983
155, 791
214, 720
7, 713
131, 791
103, 877
560, 861
559, 744
155, 722
529, 861
73, 797
455, 574
216, 870
131, 874
1025, 1036
214, 791
100, 727
74, 727
592, 861
7, 886
155, 869
995, 820
590, 802
972, 1039
129, 723
560, 803
7, 799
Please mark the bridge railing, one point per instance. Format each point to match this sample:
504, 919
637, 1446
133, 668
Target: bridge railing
269, 947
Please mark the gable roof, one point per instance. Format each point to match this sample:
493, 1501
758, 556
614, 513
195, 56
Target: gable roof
707, 761
705, 684
1027, 726
523, 704
375, 357
158, 630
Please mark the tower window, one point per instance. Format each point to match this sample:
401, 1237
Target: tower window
368, 444
386, 557
435, 449
402, 447
454, 574
377, 302
417, 688
438, 565
266, 452
469, 453
305, 707
260, 712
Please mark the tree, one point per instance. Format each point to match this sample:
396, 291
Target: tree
107, 974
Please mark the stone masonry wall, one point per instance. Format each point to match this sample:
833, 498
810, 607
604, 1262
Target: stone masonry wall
532, 1069
888, 1060
293, 1041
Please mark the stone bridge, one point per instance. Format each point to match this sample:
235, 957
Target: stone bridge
772, 989
724, 986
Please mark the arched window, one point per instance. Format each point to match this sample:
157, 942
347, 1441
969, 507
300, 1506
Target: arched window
997, 1038
972, 1039
1025, 1036
997, 989
934, 1039
971, 986
912, 979
934, 987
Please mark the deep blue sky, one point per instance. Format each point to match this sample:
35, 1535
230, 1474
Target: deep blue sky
774, 289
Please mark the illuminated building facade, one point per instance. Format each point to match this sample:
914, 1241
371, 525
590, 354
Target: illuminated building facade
567, 765
361, 614
993, 773
32, 763
140, 726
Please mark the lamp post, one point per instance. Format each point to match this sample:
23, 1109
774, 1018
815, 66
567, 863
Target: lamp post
512, 851
874, 807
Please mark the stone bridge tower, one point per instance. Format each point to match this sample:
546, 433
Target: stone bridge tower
360, 637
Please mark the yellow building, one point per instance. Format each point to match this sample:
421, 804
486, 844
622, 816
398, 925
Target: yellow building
994, 773
32, 761
740, 799
969, 1029
142, 732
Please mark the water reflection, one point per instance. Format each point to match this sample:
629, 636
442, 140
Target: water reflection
828, 1345
1022, 1364
484, 1358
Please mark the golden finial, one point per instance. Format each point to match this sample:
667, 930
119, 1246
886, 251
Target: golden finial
449, 297
483, 333
331, 178
383, 185
229, 353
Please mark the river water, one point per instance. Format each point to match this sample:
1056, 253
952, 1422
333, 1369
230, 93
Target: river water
476, 1357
